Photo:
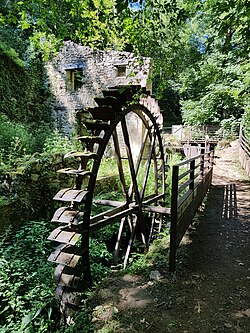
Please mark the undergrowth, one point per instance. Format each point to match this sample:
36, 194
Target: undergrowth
26, 283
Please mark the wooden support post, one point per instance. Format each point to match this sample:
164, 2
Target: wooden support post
202, 166
192, 168
173, 228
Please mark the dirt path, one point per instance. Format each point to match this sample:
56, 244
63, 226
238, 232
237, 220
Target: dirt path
209, 292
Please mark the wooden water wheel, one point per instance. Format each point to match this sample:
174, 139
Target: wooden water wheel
127, 129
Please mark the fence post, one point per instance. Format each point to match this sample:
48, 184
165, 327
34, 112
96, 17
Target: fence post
173, 227
202, 166
192, 168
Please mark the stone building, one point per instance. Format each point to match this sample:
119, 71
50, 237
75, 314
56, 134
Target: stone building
77, 74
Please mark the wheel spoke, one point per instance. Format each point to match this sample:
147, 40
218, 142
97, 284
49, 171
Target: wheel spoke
130, 160
131, 240
118, 242
143, 145
148, 167
134, 180
119, 164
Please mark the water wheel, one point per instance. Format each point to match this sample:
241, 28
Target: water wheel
126, 129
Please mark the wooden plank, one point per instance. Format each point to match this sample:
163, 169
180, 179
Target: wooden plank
64, 236
119, 164
105, 113
68, 259
82, 173
109, 212
185, 185
156, 209
118, 241
67, 215
97, 125
111, 203
149, 159
84, 155
139, 159
182, 175
153, 198
63, 255
69, 194
90, 139
106, 220
71, 281
133, 177
108, 101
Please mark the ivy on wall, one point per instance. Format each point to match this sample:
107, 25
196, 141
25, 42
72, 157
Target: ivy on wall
23, 96
24, 99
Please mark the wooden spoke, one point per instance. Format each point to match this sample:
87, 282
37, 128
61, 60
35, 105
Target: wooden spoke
148, 166
119, 164
143, 145
131, 240
130, 159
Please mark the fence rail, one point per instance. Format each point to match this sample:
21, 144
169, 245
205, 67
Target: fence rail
191, 180
244, 152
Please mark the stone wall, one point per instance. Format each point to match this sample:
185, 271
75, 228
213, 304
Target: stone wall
77, 74
32, 185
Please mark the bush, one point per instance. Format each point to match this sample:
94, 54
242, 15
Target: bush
246, 122
59, 143
15, 140
26, 283
229, 128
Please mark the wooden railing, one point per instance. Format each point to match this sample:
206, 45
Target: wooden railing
244, 152
191, 180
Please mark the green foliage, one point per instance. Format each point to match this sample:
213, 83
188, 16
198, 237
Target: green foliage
246, 122
45, 23
82, 322
11, 54
228, 22
98, 256
59, 143
15, 140
24, 101
26, 284
27, 301
229, 128
155, 258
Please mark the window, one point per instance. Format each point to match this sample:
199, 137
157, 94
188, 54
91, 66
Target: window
74, 79
121, 70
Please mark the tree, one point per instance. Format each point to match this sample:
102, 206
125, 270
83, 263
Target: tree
215, 88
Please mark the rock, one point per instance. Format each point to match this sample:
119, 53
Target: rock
155, 275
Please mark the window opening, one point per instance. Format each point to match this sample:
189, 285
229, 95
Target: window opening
121, 70
74, 79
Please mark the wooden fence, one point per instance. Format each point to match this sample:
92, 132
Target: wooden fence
244, 152
191, 180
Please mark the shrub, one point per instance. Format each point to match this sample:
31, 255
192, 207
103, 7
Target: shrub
56, 142
26, 283
15, 140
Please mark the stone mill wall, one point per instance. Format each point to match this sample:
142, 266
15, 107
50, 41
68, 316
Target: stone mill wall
77, 74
